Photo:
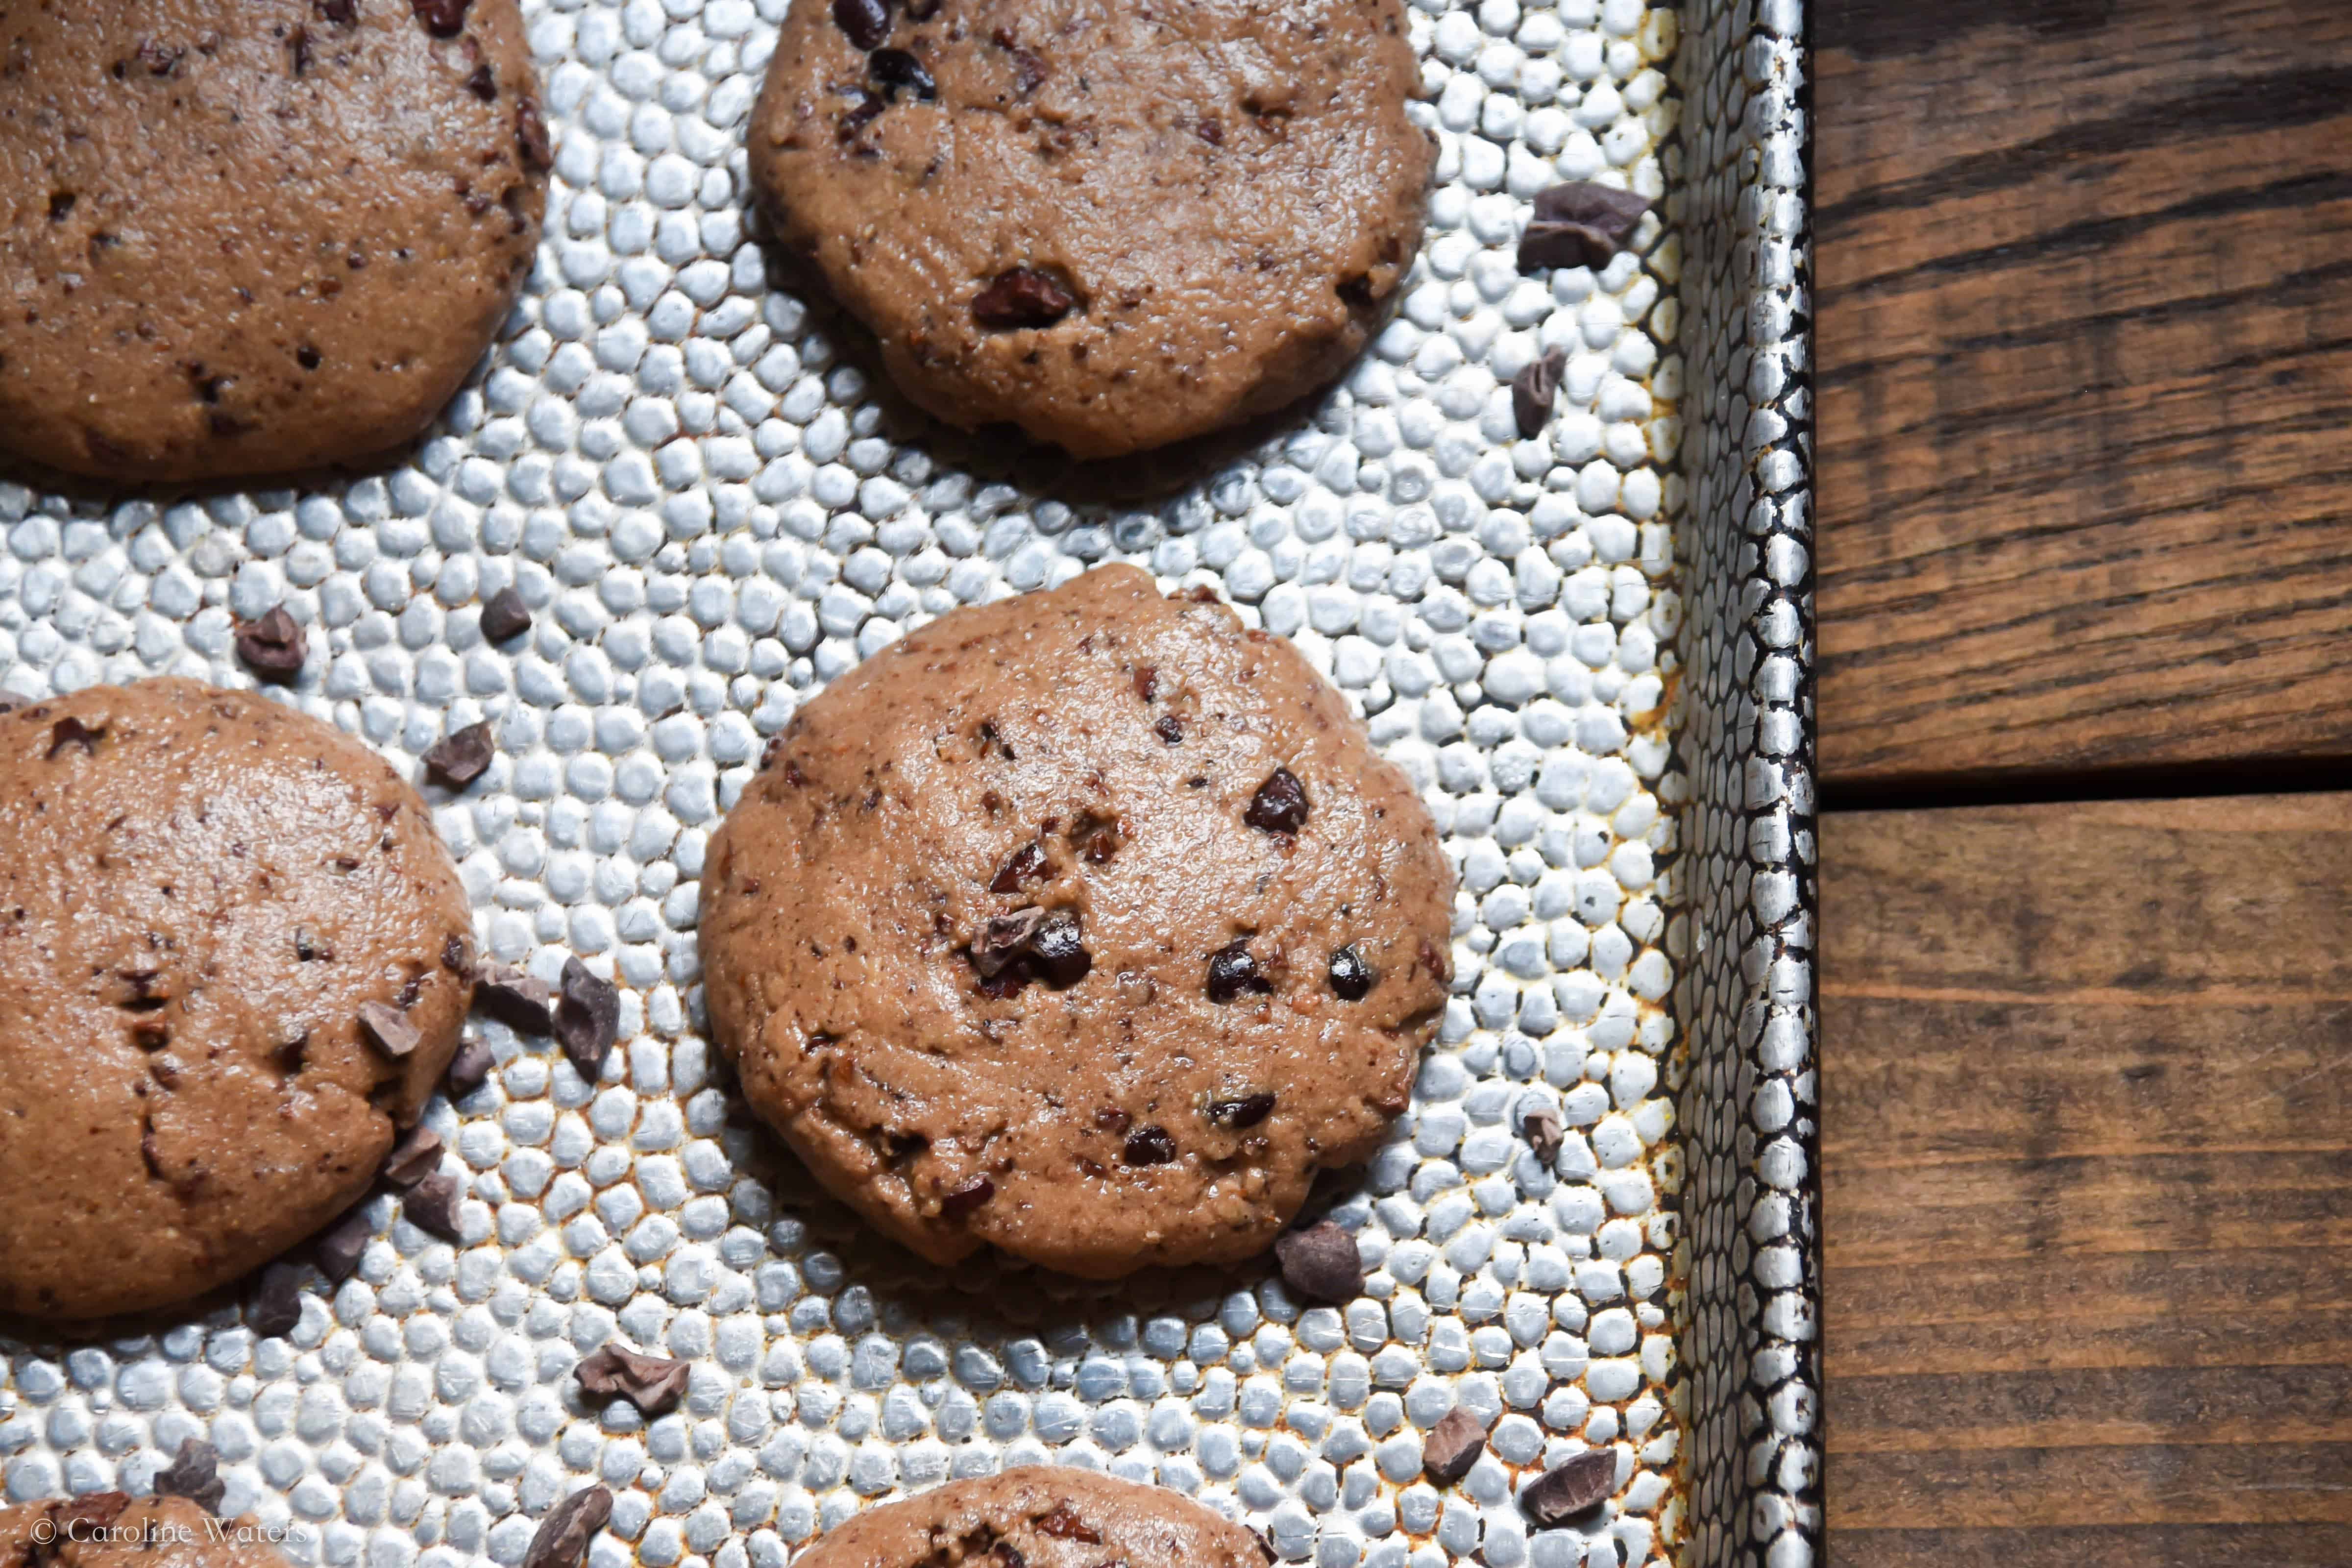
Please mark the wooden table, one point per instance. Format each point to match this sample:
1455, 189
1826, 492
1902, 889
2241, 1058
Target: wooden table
2083, 323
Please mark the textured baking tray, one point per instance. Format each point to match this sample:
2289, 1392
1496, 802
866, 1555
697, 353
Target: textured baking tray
1592, 650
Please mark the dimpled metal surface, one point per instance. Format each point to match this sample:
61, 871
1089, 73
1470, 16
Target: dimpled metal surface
1590, 650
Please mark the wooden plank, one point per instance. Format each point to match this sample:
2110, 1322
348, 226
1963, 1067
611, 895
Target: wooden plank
2084, 342
2087, 1184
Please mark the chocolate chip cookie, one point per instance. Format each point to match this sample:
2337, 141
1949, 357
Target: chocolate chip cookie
1042, 1515
109, 1529
234, 958
1114, 225
248, 237
1086, 923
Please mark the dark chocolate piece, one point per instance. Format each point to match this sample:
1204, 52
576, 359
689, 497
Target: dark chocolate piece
587, 1019
387, 1028
273, 646
1579, 223
1580, 1485
431, 1205
505, 616
459, 759
1451, 1446
1280, 804
1533, 389
1321, 1263
563, 1537
1022, 297
653, 1384
195, 1474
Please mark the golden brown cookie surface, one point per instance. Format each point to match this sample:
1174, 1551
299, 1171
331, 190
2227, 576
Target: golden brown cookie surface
1044, 1516
248, 237
1116, 226
108, 1530
1085, 924
201, 893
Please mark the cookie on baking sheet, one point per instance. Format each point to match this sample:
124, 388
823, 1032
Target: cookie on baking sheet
1114, 225
1042, 1515
109, 1529
234, 958
248, 237
1085, 924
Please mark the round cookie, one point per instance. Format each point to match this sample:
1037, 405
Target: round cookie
1114, 225
1020, 936
109, 1529
1041, 1516
200, 891
251, 236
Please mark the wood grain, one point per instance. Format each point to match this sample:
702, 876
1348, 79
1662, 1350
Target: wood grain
2084, 333
2087, 1184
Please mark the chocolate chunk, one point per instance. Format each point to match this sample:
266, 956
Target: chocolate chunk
531, 136
342, 12
442, 18
1264, 1547
1022, 297
1280, 804
1578, 1486
651, 1382
1064, 1524
1232, 971
1321, 1263
587, 1019
1149, 1146
518, 999
432, 1204
1007, 1555
416, 1156
505, 616
484, 83
1029, 71
470, 1068
1112, 1119
459, 759
863, 108
868, 22
71, 731
388, 1029
922, 10
1579, 223
195, 1474
1169, 729
563, 1537
1533, 389
962, 1199
1541, 1128
1351, 978
453, 946
892, 70
1451, 1446
1026, 863
277, 1306
1005, 939
272, 647
1059, 949
1147, 682
1247, 1112
338, 1251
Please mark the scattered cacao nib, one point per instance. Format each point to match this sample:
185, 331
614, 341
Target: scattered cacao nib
71, 731
1169, 729
1280, 804
896, 69
1005, 939
278, 1304
865, 108
453, 946
1580, 1485
442, 18
1029, 71
965, 1196
1579, 223
563, 1537
160, 59
1351, 977
470, 1068
484, 82
1146, 681
195, 1474
531, 136
866, 22
1112, 1119
431, 1205
1059, 949
338, 1251
520, 1001
1022, 297
587, 1019
1246, 1111
1026, 863
505, 616
1451, 1446
388, 1030
273, 645
1533, 389
1149, 1146
416, 1156
1542, 1128
653, 1384
1321, 1263
1231, 971
1064, 1524
460, 758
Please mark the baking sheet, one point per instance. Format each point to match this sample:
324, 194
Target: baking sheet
713, 510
